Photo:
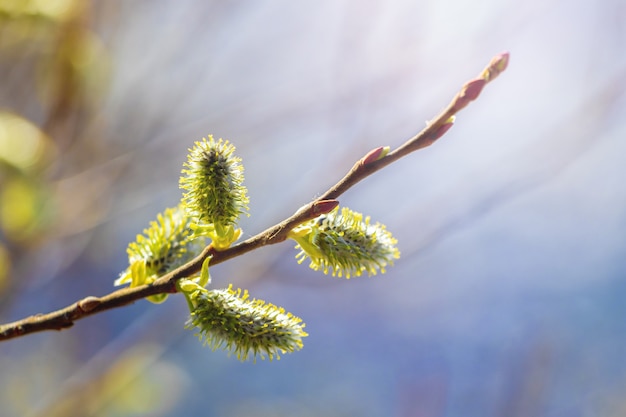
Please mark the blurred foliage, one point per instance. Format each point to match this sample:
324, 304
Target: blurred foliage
23, 145
55, 10
5, 267
54, 70
25, 151
134, 383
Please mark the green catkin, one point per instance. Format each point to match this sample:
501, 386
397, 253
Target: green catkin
230, 320
344, 243
212, 180
165, 245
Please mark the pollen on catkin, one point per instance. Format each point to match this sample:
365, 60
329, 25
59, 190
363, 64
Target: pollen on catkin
344, 243
229, 319
212, 180
164, 246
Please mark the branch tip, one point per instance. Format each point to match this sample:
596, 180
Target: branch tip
497, 65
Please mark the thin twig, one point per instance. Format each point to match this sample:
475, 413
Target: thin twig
370, 163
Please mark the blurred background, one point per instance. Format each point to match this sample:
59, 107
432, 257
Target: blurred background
508, 297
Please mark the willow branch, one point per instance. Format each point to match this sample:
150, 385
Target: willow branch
364, 167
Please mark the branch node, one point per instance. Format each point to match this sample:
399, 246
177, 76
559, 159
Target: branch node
87, 304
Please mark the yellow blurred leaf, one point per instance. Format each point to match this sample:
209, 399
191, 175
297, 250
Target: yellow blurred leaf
22, 144
5, 267
18, 208
52, 9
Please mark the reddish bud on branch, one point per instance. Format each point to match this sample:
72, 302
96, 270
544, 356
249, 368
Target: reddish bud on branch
375, 155
472, 89
470, 92
323, 207
443, 128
